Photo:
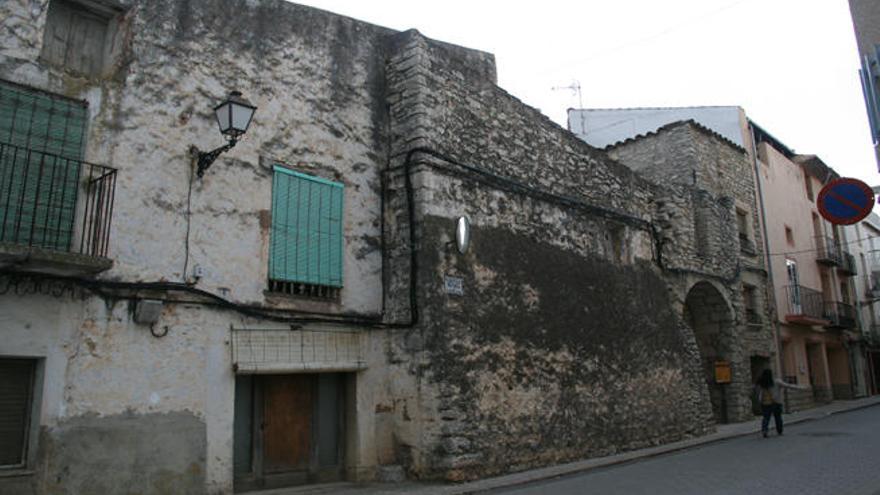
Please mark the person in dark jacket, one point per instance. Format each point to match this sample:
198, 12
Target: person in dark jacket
769, 394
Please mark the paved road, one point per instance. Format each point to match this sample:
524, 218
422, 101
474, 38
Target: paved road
839, 454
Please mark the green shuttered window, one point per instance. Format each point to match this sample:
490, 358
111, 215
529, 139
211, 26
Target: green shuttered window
306, 238
41, 143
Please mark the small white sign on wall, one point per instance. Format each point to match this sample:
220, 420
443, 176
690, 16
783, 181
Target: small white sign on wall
454, 285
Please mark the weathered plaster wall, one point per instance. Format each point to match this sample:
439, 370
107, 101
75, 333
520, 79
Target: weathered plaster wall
109, 387
122, 408
319, 92
318, 82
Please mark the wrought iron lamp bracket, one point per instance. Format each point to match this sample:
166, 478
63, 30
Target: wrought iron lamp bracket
206, 158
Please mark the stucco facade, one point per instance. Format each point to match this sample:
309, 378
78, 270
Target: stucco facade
575, 325
864, 244
812, 267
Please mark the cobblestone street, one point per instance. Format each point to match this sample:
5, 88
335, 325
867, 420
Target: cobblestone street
835, 455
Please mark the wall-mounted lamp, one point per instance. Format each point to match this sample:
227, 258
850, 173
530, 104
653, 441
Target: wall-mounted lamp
233, 116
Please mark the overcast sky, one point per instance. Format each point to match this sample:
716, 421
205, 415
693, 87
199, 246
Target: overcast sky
791, 64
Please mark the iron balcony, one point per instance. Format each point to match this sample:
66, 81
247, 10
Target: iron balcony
51, 205
847, 264
803, 306
840, 315
827, 252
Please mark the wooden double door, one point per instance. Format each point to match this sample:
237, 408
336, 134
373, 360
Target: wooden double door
289, 429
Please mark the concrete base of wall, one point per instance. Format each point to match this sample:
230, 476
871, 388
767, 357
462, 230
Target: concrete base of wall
137, 453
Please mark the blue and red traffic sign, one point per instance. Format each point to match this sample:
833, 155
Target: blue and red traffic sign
845, 201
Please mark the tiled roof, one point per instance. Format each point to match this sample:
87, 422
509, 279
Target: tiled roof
696, 125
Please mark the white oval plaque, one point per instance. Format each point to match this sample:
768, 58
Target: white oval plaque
463, 234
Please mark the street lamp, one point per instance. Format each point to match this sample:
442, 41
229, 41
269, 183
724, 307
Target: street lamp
233, 117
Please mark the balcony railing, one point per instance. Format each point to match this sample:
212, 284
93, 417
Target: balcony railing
827, 252
51, 202
840, 315
804, 305
847, 264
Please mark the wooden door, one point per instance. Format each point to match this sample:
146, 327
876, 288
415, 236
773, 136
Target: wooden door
288, 406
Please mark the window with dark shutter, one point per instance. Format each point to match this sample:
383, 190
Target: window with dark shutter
16, 391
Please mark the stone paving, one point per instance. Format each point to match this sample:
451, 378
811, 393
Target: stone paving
827, 456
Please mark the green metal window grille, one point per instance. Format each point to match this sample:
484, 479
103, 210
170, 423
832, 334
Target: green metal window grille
40, 169
306, 237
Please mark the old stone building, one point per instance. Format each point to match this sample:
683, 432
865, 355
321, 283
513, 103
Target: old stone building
811, 271
300, 313
685, 152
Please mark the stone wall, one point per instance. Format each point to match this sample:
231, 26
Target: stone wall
720, 176
567, 341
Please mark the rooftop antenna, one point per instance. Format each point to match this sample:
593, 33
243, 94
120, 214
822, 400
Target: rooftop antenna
575, 88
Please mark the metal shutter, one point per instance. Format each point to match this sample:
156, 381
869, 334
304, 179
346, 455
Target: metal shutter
306, 238
41, 145
16, 386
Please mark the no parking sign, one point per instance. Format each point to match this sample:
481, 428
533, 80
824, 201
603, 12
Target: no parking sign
845, 201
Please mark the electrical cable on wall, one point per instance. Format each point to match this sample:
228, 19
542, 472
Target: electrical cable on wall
816, 250
188, 217
484, 176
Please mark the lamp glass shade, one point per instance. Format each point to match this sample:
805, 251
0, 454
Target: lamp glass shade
234, 115
241, 117
224, 119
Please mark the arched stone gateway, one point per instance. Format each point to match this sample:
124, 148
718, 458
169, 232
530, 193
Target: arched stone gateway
711, 319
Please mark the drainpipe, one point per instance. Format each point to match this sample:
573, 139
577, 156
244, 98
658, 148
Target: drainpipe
772, 292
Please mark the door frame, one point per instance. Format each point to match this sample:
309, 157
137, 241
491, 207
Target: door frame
257, 478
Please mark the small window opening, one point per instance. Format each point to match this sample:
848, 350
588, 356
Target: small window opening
745, 233
750, 301
81, 36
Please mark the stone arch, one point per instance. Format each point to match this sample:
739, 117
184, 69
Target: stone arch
711, 318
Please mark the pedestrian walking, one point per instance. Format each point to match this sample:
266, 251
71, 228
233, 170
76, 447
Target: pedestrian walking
769, 395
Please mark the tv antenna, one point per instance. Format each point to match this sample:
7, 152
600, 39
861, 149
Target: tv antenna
575, 88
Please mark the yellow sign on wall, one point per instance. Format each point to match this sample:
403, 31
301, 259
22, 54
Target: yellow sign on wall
722, 371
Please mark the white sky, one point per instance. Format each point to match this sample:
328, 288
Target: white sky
791, 64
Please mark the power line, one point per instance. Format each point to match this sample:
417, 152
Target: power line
786, 253
644, 39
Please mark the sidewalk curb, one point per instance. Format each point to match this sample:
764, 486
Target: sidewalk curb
511, 480
553, 472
